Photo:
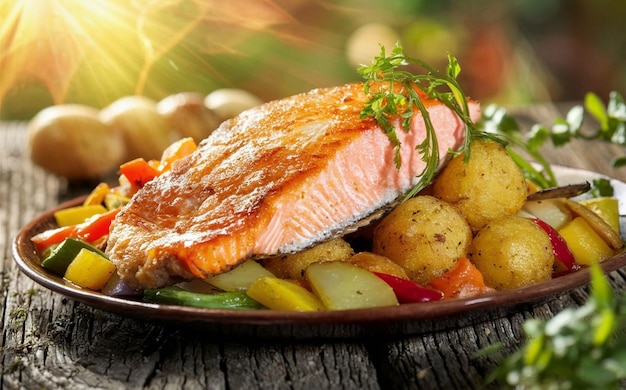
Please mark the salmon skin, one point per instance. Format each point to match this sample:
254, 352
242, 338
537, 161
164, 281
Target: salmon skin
276, 179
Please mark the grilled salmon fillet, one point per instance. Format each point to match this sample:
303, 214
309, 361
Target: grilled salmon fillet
275, 179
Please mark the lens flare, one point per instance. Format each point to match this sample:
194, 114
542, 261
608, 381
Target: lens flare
113, 44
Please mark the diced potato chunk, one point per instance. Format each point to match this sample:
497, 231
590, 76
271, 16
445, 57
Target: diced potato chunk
281, 294
343, 286
584, 243
89, 270
240, 277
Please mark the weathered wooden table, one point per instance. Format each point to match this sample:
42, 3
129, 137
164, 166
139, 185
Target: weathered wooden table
50, 341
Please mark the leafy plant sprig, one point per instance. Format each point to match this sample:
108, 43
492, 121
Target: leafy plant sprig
579, 348
611, 121
394, 97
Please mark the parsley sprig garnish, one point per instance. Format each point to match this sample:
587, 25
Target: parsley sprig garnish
394, 96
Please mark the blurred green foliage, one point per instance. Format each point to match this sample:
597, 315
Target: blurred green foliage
510, 52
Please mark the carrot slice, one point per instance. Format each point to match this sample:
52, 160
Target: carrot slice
176, 151
139, 171
462, 281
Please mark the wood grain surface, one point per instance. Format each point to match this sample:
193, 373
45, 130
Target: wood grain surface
49, 341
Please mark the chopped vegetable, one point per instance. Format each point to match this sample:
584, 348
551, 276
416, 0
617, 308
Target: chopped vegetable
551, 211
176, 151
564, 260
51, 237
61, 257
91, 230
281, 294
89, 269
597, 223
240, 277
607, 208
97, 195
177, 296
586, 245
342, 286
410, 292
114, 201
139, 171
95, 227
462, 281
78, 214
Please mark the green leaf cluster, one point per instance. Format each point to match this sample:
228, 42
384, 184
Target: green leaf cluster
611, 121
579, 348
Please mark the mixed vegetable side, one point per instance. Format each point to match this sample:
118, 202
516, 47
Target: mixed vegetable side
471, 232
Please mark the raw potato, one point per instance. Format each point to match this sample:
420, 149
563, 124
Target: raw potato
230, 102
377, 263
487, 186
292, 266
145, 131
70, 141
186, 114
512, 252
425, 236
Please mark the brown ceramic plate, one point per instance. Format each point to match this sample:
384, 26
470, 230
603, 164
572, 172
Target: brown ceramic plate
403, 319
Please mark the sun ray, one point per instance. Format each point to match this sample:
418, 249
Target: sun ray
96, 47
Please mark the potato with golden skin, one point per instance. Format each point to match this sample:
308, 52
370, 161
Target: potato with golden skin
512, 252
424, 235
486, 186
293, 265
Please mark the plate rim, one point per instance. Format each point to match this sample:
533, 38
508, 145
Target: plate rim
23, 254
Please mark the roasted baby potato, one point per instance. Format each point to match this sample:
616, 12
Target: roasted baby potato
487, 186
512, 252
424, 235
292, 266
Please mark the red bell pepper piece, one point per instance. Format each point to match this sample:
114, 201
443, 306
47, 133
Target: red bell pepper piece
95, 227
52, 236
408, 291
139, 171
564, 259
91, 230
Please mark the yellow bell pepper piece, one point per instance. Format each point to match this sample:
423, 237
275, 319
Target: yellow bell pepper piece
78, 214
281, 294
97, 195
607, 208
89, 270
584, 243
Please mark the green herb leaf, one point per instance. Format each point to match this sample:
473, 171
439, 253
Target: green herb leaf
396, 99
611, 128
